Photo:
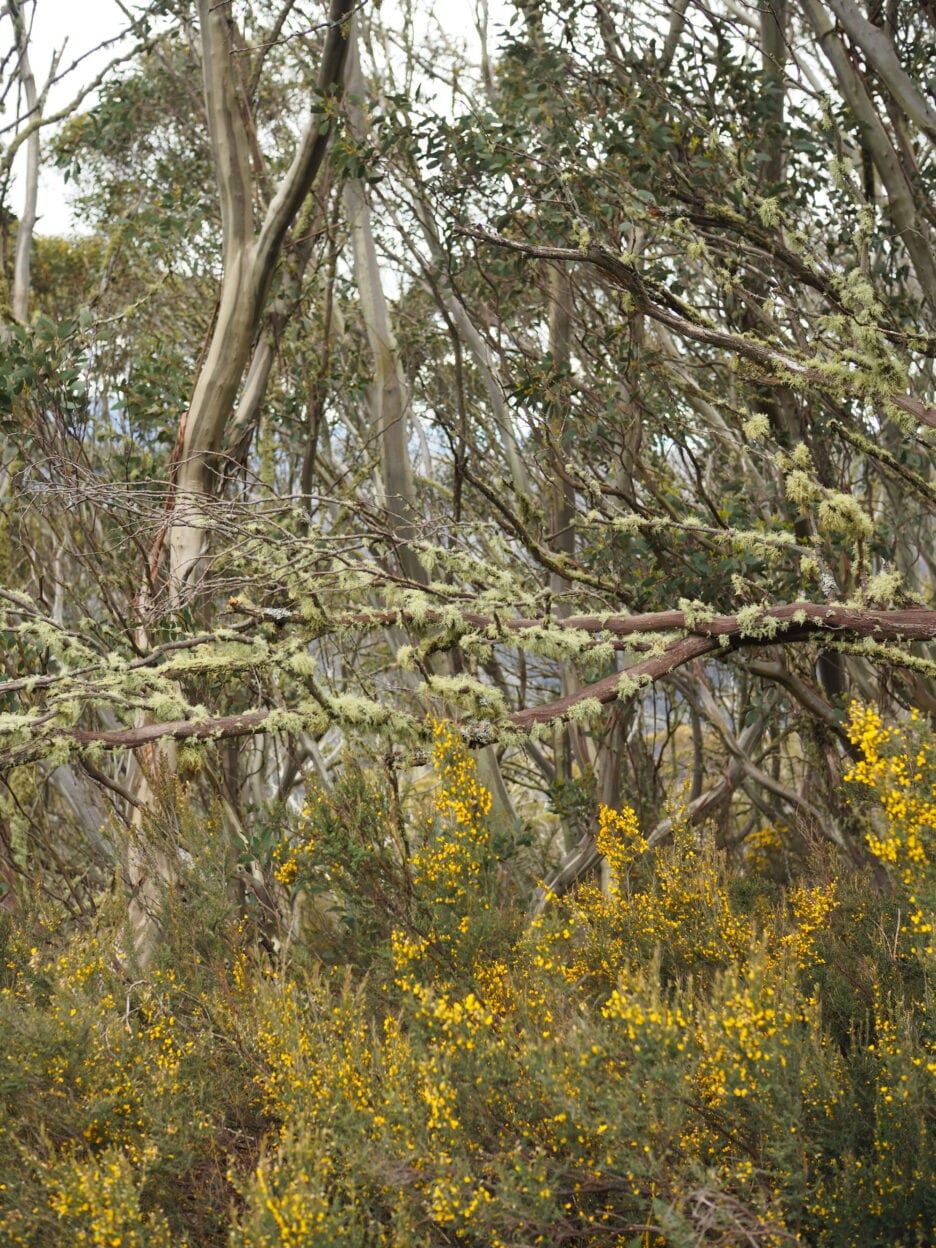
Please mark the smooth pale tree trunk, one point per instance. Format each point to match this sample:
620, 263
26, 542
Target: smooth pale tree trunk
677, 25
27, 223
249, 257
571, 746
389, 396
882, 55
247, 414
625, 720
773, 61
81, 797
470, 335
388, 393
562, 495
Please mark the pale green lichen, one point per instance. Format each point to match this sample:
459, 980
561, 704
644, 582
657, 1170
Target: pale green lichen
884, 587
469, 693
647, 644
313, 615
754, 623
59, 753
228, 657
414, 604
68, 710
478, 645
630, 686
757, 427
842, 513
555, 642
695, 249
11, 722
190, 758
769, 212
302, 664
308, 716
697, 613
166, 706
631, 523
892, 656
357, 711
772, 547
600, 655
406, 658
586, 711
800, 488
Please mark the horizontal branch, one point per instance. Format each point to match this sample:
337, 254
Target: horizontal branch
625, 683
908, 624
225, 727
785, 625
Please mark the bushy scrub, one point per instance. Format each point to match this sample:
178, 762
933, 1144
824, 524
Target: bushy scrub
670, 1060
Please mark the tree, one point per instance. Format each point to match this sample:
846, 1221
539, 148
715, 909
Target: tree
612, 384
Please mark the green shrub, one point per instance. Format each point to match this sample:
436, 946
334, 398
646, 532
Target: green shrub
674, 1061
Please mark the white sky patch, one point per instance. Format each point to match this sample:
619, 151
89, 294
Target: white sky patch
73, 30
77, 28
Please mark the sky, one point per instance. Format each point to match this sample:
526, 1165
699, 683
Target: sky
75, 26
78, 26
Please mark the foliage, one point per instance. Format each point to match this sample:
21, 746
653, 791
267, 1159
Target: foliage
672, 1060
467, 674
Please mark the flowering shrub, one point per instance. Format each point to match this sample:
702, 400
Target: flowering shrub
898, 766
671, 1060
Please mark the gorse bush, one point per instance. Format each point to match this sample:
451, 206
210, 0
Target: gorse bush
683, 1057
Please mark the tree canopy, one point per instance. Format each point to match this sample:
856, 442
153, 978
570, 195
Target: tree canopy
503, 390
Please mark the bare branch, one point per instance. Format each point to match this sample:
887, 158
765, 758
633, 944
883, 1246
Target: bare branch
778, 364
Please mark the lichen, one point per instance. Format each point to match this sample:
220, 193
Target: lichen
697, 613
302, 664
483, 700
883, 587
757, 427
631, 523
754, 623
586, 711
629, 686
769, 212
800, 488
842, 513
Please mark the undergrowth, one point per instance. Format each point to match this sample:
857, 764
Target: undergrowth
682, 1057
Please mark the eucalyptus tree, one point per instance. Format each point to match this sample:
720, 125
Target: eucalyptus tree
610, 381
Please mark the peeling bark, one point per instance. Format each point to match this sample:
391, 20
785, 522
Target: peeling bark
249, 259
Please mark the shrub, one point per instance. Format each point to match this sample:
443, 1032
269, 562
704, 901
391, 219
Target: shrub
672, 1061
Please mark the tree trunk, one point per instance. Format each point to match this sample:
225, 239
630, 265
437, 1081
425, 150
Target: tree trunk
249, 259
27, 222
